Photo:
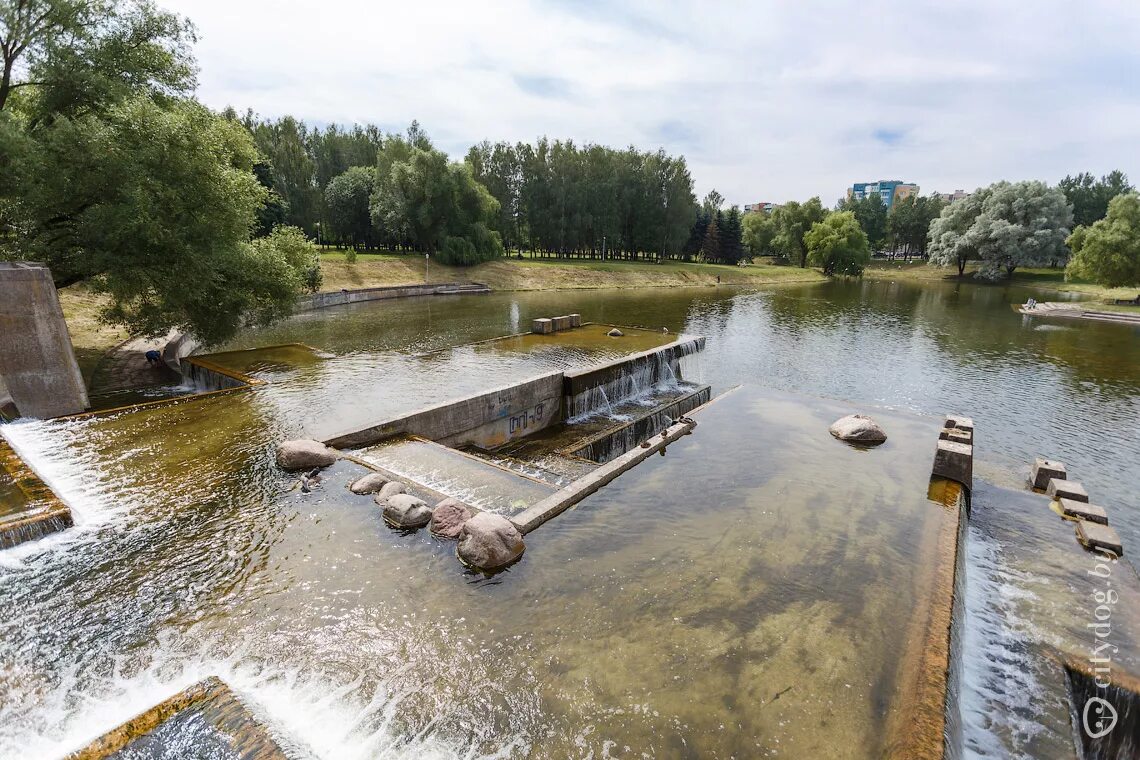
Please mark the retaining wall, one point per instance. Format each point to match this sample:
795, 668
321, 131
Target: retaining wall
341, 297
37, 362
207, 376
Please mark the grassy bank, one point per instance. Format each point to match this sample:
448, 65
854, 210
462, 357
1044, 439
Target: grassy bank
372, 270
91, 338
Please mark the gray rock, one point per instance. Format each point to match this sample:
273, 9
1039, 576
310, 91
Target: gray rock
489, 542
858, 428
370, 483
406, 512
304, 454
615, 333
388, 490
448, 517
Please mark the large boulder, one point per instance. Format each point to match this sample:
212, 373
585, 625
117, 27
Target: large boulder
448, 517
370, 483
858, 428
304, 454
489, 542
406, 512
389, 490
615, 333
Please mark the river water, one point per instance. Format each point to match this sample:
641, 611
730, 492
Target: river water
191, 557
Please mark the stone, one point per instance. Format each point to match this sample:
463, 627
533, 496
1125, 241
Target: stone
489, 542
954, 461
615, 333
542, 326
370, 483
962, 423
1095, 536
957, 435
406, 512
389, 490
562, 323
1066, 489
304, 454
448, 517
858, 428
1044, 469
575, 320
1084, 511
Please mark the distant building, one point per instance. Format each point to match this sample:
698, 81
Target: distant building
957, 195
766, 207
890, 190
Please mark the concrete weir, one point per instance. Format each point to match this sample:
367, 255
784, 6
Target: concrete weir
28, 508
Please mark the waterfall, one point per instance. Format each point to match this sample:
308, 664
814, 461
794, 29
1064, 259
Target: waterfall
628, 379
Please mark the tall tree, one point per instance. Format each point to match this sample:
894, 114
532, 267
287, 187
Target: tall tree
793, 220
838, 245
759, 233
952, 236
1108, 251
909, 220
347, 199
1089, 196
710, 246
871, 213
1022, 224
731, 231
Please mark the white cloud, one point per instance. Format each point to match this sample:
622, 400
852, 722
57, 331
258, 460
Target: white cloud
768, 101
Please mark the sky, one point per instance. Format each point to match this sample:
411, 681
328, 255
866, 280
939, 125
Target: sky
768, 101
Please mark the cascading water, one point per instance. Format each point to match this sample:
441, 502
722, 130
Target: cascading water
631, 379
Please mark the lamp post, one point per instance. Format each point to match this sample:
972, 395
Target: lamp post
318, 233
426, 257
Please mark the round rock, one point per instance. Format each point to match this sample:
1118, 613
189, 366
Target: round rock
448, 517
406, 512
388, 490
304, 454
858, 428
489, 542
615, 333
370, 483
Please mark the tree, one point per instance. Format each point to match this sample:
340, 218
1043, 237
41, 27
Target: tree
759, 232
712, 202
1021, 224
710, 246
952, 239
80, 56
838, 245
290, 246
871, 213
909, 220
274, 210
1108, 251
153, 206
730, 231
1089, 196
347, 199
792, 221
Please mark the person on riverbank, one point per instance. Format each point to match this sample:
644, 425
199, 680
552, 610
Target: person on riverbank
153, 358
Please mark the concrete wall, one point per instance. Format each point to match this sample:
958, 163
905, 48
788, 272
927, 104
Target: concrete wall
340, 297
626, 377
207, 376
37, 362
486, 419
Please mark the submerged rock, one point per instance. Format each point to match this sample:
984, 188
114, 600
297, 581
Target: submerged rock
304, 454
388, 490
489, 542
370, 483
406, 512
615, 333
448, 517
858, 428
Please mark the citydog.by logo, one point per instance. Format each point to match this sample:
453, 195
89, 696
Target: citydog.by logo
1099, 716
1103, 721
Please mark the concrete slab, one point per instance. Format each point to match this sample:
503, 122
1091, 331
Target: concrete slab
954, 461
1096, 536
562, 323
958, 435
1044, 470
963, 423
1066, 489
575, 320
1084, 511
542, 326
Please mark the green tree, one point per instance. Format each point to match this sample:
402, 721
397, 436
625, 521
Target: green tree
871, 213
759, 233
347, 198
1108, 251
152, 205
731, 230
909, 220
952, 237
792, 221
1089, 196
710, 246
1021, 224
274, 210
290, 245
838, 245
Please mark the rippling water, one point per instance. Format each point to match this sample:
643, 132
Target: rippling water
192, 557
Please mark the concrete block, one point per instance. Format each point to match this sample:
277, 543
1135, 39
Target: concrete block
1044, 470
542, 326
561, 323
963, 423
954, 461
575, 320
1084, 511
1066, 489
957, 435
1096, 536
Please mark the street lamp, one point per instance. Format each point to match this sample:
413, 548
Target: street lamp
318, 233
426, 257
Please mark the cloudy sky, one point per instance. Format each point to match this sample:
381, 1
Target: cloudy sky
768, 101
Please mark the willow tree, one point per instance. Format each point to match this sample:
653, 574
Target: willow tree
1108, 251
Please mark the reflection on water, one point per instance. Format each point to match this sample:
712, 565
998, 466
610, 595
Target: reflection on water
192, 557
